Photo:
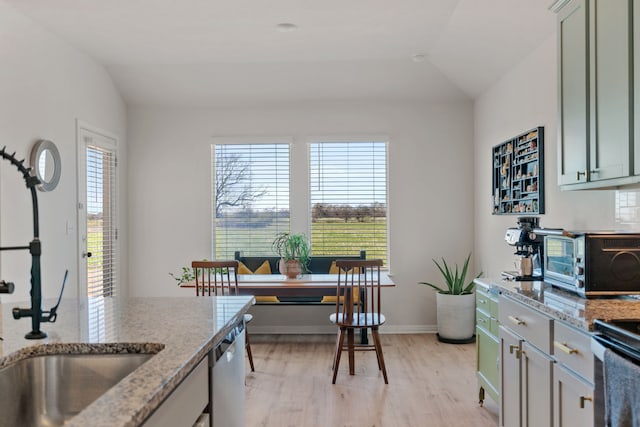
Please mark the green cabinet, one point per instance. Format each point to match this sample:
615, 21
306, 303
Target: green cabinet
595, 93
486, 344
573, 66
610, 97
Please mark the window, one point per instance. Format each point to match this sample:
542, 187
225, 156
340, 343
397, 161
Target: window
348, 198
250, 196
101, 221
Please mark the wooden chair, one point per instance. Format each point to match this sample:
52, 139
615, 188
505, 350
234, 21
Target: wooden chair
220, 278
359, 278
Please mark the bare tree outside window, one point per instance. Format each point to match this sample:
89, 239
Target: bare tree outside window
233, 184
251, 185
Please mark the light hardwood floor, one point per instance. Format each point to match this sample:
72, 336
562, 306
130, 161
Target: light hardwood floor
430, 384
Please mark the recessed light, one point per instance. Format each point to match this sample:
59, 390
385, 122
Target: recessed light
419, 57
286, 27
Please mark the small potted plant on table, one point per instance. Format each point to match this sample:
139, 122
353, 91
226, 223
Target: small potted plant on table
455, 304
293, 250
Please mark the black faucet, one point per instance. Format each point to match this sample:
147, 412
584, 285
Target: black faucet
35, 249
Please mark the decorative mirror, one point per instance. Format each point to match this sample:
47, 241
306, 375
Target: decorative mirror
45, 163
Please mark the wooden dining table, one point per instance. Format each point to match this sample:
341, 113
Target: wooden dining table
303, 286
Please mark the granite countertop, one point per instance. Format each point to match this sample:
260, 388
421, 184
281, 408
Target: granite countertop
180, 330
566, 306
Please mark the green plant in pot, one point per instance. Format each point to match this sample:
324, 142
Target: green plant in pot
187, 274
294, 252
455, 302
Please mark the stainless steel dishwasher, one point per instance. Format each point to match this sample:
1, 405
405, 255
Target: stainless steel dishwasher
227, 379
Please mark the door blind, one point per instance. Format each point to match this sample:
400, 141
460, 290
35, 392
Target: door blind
348, 198
251, 197
101, 222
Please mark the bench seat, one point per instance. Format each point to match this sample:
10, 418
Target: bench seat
317, 265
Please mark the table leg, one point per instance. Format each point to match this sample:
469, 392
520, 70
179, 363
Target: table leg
364, 338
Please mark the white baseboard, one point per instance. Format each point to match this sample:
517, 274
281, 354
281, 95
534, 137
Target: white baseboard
330, 329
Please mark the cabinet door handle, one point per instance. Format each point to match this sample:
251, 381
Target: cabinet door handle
583, 399
517, 350
482, 301
578, 173
480, 319
515, 320
565, 348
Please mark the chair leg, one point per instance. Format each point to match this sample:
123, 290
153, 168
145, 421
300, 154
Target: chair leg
336, 363
378, 358
335, 353
351, 350
378, 345
248, 347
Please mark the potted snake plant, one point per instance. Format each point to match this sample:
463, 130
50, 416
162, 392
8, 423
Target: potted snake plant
455, 303
294, 252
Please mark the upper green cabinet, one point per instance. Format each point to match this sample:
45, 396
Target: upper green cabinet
596, 112
573, 126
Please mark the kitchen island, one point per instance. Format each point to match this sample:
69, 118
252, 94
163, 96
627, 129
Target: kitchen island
181, 331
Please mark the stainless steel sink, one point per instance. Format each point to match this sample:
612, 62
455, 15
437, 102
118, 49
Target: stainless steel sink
48, 390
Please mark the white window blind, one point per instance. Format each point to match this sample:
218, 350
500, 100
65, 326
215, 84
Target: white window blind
251, 197
101, 222
348, 198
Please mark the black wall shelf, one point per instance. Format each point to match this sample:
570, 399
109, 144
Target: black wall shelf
518, 174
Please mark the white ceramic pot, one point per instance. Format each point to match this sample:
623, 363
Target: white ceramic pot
456, 316
291, 268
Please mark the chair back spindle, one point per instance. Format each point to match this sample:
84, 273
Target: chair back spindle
216, 277
358, 293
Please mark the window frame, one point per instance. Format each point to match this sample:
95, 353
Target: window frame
242, 140
300, 208
351, 139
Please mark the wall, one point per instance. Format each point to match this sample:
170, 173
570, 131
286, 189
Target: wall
526, 97
45, 85
430, 197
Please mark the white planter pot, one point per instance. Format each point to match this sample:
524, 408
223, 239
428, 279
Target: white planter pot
456, 317
291, 268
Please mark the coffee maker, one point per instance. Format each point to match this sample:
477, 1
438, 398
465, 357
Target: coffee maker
528, 241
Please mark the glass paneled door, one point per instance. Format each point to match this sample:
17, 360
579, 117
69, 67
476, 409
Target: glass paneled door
98, 225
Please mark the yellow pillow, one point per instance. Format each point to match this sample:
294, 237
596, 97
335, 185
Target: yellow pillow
334, 269
332, 298
328, 298
265, 268
243, 269
267, 299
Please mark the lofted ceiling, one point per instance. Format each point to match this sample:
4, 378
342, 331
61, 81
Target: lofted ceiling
214, 52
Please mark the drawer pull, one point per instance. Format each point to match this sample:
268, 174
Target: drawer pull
564, 348
583, 399
480, 319
517, 350
515, 320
